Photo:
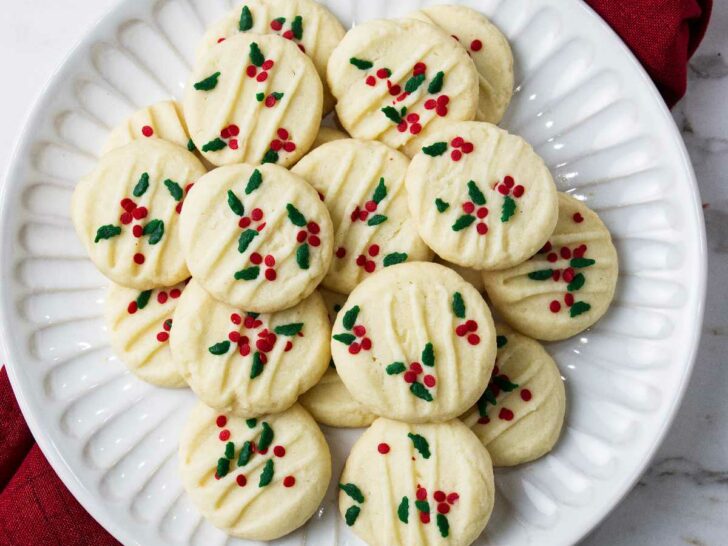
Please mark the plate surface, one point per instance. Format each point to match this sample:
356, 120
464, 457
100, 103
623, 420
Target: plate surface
582, 101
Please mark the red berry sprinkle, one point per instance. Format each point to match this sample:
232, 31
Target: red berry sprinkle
439, 496
251, 71
314, 240
175, 293
457, 142
288, 35
373, 250
361, 260
147, 131
354, 348
301, 236
505, 414
395, 90
552, 257
162, 297
424, 517
421, 493
221, 421
276, 24
443, 508
482, 228
340, 252
476, 45
452, 498
279, 451
289, 481
569, 299
224, 435
461, 330
261, 77
371, 81
235, 318
270, 274
270, 260
370, 267
234, 336
569, 274
431, 104
256, 259
526, 395
456, 155
126, 218
518, 191
241, 480
555, 306
410, 377
137, 231
482, 212
138, 258
359, 330
256, 215
429, 381
578, 218
383, 448
468, 207
132, 308
467, 147
282, 134
366, 344
313, 227
162, 337
473, 339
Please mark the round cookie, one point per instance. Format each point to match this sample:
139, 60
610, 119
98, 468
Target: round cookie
413, 485
399, 81
415, 342
520, 415
489, 50
253, 99
162, 120
481, 197
567, 286
329, 402
362, 184
258, 238
306, 23
139, 324
126, 212
257, 479
246, 363
473, 276
327, 134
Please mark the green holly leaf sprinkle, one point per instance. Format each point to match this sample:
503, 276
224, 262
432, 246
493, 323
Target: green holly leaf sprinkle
353, 491
436, 149
541, 274
230, 450
350, 317
297, 27
235, 204
346, 339
271, 156
266, 436
246, 237
267, 475
501, 341
277, 95
578, 308
254, 182
257, 366
476, 196
256, 55
428, 355
576, 283
295, 216
191, 146
443, 525
395, 368
290, 330
464, 221
247, 274
458, 305
361, 64
251, 422
508, 209
421, 444
351, 514
219, 348
107, 232
223, 467
246, 19
209, 83
214, 145
582, 262
483, 402
392, 114
436, 84
302, 255
414, 83
419, 390
403, 510
260, 97
441, 205
141, 186
174, 189
504, 383
155, 230
245, 453
143, 299
423, 506
394, 258
380, 192
376, 220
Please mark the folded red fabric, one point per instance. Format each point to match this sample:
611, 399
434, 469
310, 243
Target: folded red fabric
36, 508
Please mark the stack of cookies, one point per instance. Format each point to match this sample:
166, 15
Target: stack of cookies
284, 271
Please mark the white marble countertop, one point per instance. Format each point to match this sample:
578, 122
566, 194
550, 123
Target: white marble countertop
683, 497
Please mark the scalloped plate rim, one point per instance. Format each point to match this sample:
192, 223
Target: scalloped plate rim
26, 396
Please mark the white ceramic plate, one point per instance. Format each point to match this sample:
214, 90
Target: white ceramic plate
587, 107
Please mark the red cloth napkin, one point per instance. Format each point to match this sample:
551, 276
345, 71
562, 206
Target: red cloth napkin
36, 508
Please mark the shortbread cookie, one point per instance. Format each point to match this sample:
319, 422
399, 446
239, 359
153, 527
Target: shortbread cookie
520, 415
473, 276
139, 325
362, 185
163, 120
247, 363
329, 401
481, 197
414, 485
126, 212
415, 342
400, 81
488, 48
327, 134
254, 478
567, 286
258, 238
253, 99
308, 24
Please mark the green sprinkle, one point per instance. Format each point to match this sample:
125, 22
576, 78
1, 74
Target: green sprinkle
403, 510
361, 64
155, 230
245, 453
230, 450
260, 97
501, 341
441, 205
209, 83
107, 232
302, 255
271, 156
380, 192
458, 305
423, 506
464, 221
246, 237
266, 437
267, 475
295, 216
392, 114
414, 83
581, 262
291, 329
246, 19
191, 146
436, 84
351, 514
428, 355
421, 444
508, 209
443, 525
219, 348
396, 368
277, 95
436, 149
143, 299
254, 182
174, 189
247, 274
346, 339
256, 56
257, 366
576, 283
141, 186
419, 390
540, 275
476, 196
350, 317
235, 204
223, 467
297, 27
353, 491
504, 384
214, 145
578, 308
394, 258
251, 422
376, 220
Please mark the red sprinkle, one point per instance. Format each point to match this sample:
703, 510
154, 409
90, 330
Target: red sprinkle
175, 293
370, 266
267, 65
374, 250
132, 308
275, 24
452, 498
569, 274
235, 318
471, 325
410, 377
241, 480
569, 299
518, 191
456, 155
270, 274
482, 228
467, 147
262, 77
473, 339
565, 252
555, 306
416, 367
137, 231
421, 493
461, 330
482, 212
439, 496
234, 336
366, 344
289, 481
126, 218
340, 252
279, 451
578, 218
419, 68
314, 240
424, 517
371, 81
139, 258
429, 381
552, 257
221, 421
526, 395
147, 131
359, 330
270, 260
443, 508
301, 236
468, 207
431, 104
162, 337
354, 348
457, 142
476, 45
383, 448
224, 435
256, 259
505, 414
313, 227
251, 71
282, 134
